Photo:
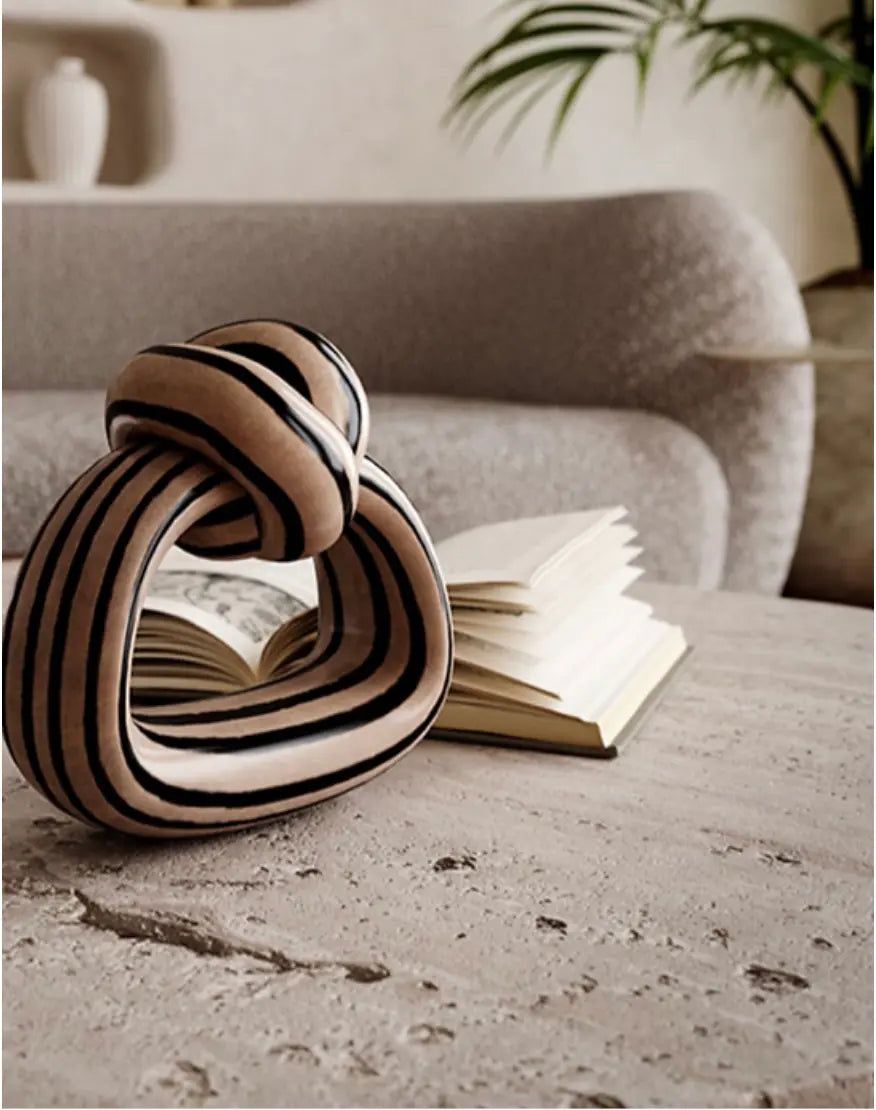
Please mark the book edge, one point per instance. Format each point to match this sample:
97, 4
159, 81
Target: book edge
630, 730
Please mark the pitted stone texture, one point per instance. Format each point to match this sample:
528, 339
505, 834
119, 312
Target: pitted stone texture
688, 925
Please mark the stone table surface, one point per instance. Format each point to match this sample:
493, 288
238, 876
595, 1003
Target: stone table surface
687, 925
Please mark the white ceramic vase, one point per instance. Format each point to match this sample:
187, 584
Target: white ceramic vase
66, 118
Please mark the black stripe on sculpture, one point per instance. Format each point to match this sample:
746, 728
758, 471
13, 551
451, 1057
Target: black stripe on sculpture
274, 401
138, 460
347, 377
280, 364
235, 510
172, 420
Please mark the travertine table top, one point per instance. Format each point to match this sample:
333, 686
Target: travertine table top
688, 925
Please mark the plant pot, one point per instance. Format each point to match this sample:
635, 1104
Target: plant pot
834, 559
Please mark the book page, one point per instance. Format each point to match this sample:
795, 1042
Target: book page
583, 568
606, 634
241, 602
520, 552
539, 633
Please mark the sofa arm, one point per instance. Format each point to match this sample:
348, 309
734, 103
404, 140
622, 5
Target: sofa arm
606, 301
678, 274
611, 302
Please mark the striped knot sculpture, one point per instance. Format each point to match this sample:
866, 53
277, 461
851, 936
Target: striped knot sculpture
247, 440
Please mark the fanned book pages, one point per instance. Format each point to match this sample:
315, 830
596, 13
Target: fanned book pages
550, 652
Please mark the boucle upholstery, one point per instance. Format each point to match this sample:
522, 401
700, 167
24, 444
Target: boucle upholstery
461, 462
604, 302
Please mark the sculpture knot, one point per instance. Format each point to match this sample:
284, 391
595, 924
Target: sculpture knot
277, 408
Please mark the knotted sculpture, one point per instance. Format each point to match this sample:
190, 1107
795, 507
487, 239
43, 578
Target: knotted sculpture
248, 439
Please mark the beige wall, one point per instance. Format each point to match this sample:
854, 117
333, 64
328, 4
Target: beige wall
343, 98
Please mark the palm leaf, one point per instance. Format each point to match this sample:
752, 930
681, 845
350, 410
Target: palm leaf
643, 52
472, 118
567, 102
777, 45
629, 6
744, 47
548, 42
842, 30
839, 29
494, 80
535, 24
525, 108
584, 33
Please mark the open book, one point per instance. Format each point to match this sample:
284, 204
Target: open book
549, 651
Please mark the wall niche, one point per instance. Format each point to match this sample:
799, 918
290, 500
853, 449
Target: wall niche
129, 63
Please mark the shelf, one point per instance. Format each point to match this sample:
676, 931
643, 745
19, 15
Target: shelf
130, 64
814, 352
18, 191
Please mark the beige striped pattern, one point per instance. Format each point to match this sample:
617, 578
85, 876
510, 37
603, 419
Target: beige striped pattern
248, 440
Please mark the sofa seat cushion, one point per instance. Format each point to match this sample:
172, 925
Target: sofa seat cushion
462, 462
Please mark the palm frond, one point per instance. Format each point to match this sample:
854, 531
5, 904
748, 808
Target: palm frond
498, 79
541, 90
566, 36
567, 102
563, 41
644, 51
472, 119
839, 29
842, 30
778, 46
542, 21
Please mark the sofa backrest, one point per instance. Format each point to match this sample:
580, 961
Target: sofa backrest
606, 302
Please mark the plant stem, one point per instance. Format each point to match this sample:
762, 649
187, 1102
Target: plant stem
853, 189
863, 53
859, 192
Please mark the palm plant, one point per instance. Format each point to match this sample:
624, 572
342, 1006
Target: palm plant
560, 44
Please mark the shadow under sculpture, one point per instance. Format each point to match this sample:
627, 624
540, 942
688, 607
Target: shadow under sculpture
247, 440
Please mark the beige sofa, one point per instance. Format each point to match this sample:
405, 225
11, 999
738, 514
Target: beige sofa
522, 358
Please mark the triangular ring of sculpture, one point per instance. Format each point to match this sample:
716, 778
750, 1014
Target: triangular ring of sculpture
248, 439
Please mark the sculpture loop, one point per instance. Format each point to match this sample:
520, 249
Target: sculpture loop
248, 439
